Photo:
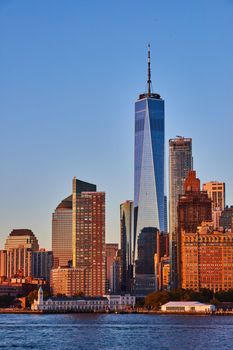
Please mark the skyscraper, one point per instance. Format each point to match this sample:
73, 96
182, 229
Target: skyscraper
88, 236
149, 188
180, 163
126, 219
88, 271
62, 233
78, 213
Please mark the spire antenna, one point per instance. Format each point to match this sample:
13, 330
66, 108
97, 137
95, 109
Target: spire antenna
149, 73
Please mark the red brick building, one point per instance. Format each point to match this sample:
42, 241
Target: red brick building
194, 206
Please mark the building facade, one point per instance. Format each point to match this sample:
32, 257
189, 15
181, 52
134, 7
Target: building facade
22, 238
216, 191
126, 235
19, 247
3, 263
207, 259
111, 253
83, 304
149, 174
68, 281
42, 263
146, 269
116, 274
194, 206
88, 236
62, 233
226, 218
180, 163
187, 306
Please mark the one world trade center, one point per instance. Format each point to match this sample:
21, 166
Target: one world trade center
150, 212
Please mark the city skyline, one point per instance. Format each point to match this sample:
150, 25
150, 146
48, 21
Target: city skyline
34, 128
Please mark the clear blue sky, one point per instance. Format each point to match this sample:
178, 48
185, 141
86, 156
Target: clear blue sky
70, 72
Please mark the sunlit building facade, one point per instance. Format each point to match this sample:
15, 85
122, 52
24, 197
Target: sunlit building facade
216, 191
180, 163
194, 207
88, 236
19, 247
207, 259
62, 233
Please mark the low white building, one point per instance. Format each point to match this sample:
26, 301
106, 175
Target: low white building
83, 304
120, 302
187, 306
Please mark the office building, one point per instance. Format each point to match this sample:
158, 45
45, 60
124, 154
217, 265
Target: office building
126, 235
111, 252
149, 184
62, 233
207, 259
116, 274
163, 273
194, 206
68, 281
216, 192
42, 262
22, 238
20, 245
81, 222
180, 163
226, 218
145, 269
162, 261
88, 235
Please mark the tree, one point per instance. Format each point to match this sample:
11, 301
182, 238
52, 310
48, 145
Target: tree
32, 296
156, 299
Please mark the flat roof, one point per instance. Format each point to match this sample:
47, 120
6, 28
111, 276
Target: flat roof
184, 303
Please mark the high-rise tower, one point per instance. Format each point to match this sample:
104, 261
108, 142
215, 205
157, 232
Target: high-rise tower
62, 233
180, 163
126, 218
149, 189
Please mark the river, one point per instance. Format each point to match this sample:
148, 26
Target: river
129, 331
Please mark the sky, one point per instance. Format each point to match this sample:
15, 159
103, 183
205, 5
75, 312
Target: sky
70, 72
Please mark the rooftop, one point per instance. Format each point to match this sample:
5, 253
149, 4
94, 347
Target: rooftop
184, 303
65, 203
21, 232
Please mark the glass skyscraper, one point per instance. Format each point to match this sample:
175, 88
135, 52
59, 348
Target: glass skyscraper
149, 174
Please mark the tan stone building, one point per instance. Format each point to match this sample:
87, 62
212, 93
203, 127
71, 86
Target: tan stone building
68, 281
207, 259
20, 245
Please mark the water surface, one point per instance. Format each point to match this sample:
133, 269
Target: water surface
91, 331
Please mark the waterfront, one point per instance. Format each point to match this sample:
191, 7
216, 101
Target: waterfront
90, 331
